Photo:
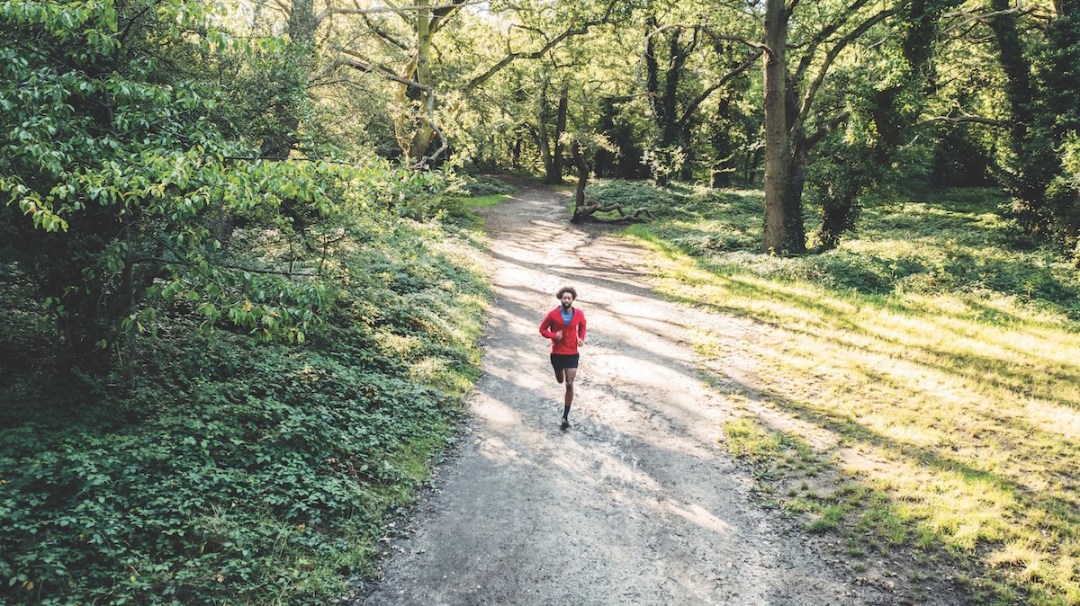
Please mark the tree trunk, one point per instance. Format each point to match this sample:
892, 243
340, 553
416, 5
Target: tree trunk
412, 122
794, 241
722, 166
515, 152
671, 132
127, 303
1034, 162
543, 139
555, 166
777, 150
582, 181
665, 101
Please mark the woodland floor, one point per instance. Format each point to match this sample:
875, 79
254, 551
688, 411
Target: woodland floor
636, 503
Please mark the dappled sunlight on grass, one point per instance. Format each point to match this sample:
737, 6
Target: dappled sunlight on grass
953, 396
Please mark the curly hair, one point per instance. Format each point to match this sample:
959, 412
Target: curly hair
566, 289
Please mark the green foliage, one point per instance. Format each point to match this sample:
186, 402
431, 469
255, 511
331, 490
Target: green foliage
219, 372
1039, 63
124, 193
118, 183
241, 471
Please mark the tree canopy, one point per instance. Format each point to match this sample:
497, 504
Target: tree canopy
171, 169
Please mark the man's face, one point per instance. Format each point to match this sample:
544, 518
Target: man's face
567, 300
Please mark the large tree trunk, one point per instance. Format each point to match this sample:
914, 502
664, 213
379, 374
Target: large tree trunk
412, 122
777, 148
794, 242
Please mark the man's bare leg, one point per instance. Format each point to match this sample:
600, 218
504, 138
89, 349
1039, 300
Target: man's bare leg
568, 398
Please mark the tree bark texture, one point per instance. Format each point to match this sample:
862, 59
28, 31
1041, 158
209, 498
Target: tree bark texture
555, 166
414, 127
777, 149
543, 139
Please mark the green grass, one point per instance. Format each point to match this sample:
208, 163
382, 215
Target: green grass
485, 201
934, 362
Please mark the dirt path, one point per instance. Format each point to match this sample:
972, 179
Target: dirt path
636, 504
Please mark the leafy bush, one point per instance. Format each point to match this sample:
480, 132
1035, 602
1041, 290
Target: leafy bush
241, 470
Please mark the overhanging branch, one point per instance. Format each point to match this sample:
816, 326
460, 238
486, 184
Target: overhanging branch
513, 56
811, 92
550, 44
962, 120
827, 128
745, 65
331, 11
384, 72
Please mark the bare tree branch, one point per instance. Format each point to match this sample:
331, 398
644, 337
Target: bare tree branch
718, 36
383, 34
513, 56
441, 14
974, 19
283, 7
811, 92
824, 35
962, 120
331, 11
745, 65
379, 70
827, 128
550, 44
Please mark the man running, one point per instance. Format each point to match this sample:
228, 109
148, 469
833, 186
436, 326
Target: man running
565, 326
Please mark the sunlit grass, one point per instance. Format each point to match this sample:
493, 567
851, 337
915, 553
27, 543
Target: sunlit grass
941, 364
484, 201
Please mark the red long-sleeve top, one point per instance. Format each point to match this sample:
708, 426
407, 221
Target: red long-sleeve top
564, 338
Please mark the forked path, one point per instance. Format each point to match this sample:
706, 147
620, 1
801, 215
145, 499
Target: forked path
636, 503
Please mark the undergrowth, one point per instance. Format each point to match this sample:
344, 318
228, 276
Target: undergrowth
238, 471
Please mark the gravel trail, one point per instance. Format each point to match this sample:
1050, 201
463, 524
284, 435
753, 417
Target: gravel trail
636, 503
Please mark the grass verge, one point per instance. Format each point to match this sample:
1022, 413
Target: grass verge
916, 390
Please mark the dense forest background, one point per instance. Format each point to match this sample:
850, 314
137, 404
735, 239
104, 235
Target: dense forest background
214, 212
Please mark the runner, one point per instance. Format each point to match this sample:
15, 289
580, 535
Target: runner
565, 326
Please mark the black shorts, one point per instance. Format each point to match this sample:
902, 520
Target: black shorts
561, 361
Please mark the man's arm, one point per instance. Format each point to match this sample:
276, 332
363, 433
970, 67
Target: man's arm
545, 331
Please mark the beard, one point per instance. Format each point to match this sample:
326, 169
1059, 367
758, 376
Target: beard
566, 305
